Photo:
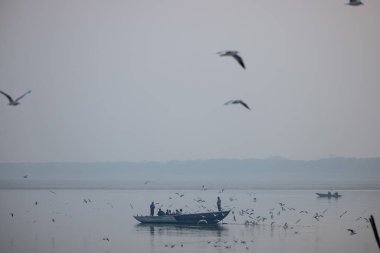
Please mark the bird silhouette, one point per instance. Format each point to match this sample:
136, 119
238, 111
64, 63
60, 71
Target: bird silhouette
12, 101
355, 3
351, 231
340, 216
238, 101
234, 54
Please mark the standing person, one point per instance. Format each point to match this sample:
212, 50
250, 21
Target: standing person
219, 203
152, 206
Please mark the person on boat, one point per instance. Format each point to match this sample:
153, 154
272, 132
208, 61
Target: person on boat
167, 212
180, 211
160, 212
219, 204
152, 206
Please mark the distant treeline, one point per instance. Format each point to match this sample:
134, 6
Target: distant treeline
334, 173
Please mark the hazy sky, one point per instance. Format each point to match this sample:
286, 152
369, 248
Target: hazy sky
140, 80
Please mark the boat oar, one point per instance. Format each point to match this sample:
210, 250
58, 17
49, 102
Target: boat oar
373, 224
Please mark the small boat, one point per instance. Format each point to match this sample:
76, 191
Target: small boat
329, 195
191, 219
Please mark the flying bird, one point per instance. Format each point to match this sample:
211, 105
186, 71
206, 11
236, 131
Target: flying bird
340, 216
234, 54
355, 3
352, 231
15, 101
238, 101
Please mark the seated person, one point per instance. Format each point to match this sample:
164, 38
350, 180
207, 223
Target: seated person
160, 212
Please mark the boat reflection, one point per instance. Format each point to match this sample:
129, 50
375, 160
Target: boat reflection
176, 228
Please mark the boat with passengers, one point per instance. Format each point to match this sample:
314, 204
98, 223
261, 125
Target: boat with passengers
191, 218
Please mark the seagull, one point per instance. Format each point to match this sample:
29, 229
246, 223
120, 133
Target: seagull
235, 55
352, 231
340, 216
16, 101
238, 101
355, 3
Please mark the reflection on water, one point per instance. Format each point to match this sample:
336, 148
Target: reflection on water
212, 229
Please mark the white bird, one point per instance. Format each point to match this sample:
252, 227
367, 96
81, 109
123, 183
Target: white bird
355, 3
238, 101
234, 54
16, 101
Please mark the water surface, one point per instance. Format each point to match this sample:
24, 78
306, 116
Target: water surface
62, 221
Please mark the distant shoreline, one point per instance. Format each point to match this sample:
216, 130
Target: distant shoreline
325, 174
88, 185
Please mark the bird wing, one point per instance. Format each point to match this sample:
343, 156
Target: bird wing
222, 53
9, 97
228, 102
20, 97
239, 60
245, 105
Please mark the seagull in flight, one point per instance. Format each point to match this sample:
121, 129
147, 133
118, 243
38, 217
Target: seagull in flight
351, 231
16, 101
355, 3
238, 101
235, 55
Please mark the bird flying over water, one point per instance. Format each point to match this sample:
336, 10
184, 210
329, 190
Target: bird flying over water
355, 3
12, 101
340, 216
238, 101
234, 54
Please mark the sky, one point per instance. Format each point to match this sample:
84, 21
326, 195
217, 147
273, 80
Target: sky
140, 80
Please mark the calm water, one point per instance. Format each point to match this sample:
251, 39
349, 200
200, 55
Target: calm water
81, 227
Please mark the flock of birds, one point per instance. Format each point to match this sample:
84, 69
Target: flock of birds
233, 54
281, 216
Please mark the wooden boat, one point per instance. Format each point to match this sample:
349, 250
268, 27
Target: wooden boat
194, 219
328, 195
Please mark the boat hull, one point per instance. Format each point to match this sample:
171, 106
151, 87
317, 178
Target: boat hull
325, 195
191, 219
